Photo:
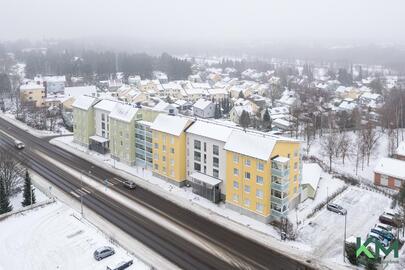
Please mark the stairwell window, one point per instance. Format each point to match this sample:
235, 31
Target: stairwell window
235, 171
235, 158
259, 180
236, 184
247, 175
260, 166
247, 162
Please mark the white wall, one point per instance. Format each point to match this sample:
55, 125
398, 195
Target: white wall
209, 152
97, 122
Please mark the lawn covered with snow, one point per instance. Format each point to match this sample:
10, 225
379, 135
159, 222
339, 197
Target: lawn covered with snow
54, 237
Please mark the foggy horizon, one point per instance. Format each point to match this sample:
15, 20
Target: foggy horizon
216, 23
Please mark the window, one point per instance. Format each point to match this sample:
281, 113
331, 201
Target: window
172, 162
156, 145
288, 155
384, 180
260, 166
247, 202
172, 150
102, 125
172, 172
171, 140
235, 171
164, 169
398, 183
247, 189
235, 184
102, 116
215, 162
235, 158
197, 167
235, 197
295, 165
247, 162
247, 175
295, 178
215, 149
259, 207
215, 173
205, 147
197, 145
296, 153
259, 193
163, 158
164, 148
197, 156
259, 180
156, 167
163, 139
156, 156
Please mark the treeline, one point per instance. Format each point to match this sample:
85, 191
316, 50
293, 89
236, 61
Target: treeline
103, 64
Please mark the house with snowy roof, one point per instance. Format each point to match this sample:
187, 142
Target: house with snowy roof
204, 108
83, 119
400, 151
311, 174
389, 172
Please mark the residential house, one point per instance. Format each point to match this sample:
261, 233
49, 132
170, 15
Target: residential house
311, 174
32, 95
204, 109
389, 172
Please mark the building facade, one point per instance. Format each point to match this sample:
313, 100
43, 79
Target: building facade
83, 119
33, 95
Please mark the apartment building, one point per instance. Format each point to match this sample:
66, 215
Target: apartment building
122, 133
169, 148
263, 174
206, 159
83, 119
143, 138
33, 95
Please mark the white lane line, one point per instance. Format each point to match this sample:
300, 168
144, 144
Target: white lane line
75, 194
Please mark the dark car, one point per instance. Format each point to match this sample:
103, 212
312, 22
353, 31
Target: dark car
103, 252
19, 144
389, 220
121, 265
129, 184
336, 208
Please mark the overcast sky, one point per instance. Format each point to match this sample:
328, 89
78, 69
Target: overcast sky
206, 20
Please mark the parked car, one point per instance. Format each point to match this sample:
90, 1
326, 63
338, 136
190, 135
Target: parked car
383, 226
389, 220
121, 266
385, 234
129, 184
103, 252
19, 144
336, 208
377, 237
391, 213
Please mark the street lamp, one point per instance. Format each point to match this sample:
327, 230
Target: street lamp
344, 240
81, 194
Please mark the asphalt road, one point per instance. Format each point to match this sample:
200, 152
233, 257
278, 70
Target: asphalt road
249, 253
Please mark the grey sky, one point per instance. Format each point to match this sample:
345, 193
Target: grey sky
205, 20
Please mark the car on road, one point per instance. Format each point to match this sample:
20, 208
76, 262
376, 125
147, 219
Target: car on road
103, 252
129, 184
385, 234
19, 144
121, 265
336, 208
379, 238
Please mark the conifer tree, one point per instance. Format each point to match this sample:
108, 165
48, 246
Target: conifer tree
5, 205
27, 191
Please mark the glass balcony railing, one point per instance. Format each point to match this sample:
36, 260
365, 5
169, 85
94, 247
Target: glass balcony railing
283, 186
280, 173
279, 214
277, 200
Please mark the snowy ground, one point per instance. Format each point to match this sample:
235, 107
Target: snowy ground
38, 133
42, 238
325, 231
17, 199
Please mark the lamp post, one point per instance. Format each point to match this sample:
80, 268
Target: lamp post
81, 194
344, 240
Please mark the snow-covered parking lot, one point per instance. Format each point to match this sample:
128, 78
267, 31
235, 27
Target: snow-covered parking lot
53, 237
325, 231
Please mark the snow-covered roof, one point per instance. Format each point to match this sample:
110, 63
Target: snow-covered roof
205, 178
83, 102
105, 105
401, 149
77, 91
240, 109
202, 104
123, 112
31, 86
250, 144
311, 174
391, 167
170, 124
161, 106
210, 130
217, 91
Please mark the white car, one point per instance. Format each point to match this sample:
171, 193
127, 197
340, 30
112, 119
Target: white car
19, 144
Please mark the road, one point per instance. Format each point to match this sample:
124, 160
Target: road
248, 253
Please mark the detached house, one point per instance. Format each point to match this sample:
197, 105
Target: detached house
390, 172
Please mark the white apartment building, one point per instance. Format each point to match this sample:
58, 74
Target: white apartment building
206, 157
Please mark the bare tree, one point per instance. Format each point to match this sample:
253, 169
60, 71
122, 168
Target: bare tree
10, 173
344, 145
329, 144
358, 149
370, 140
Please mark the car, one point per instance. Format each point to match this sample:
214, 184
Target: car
385, 234
383, 226
103, 252
121, 265
389, 220
19, 144
379, 238
129, 184
391, 213
336, 208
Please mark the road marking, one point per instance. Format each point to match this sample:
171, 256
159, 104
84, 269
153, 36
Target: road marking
75, 194
85, 190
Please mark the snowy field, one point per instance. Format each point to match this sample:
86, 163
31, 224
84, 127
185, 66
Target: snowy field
17, 199
43, 238
325, 231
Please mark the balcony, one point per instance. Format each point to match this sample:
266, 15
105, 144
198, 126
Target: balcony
277, 200
283, 186
280, 173
278, 214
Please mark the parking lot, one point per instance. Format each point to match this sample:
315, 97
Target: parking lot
325, 231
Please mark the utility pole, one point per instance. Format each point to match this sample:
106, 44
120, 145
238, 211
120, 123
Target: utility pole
344, 241
81, 194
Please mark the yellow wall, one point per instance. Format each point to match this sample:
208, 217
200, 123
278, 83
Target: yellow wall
178, 143
36, 95
242, 167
